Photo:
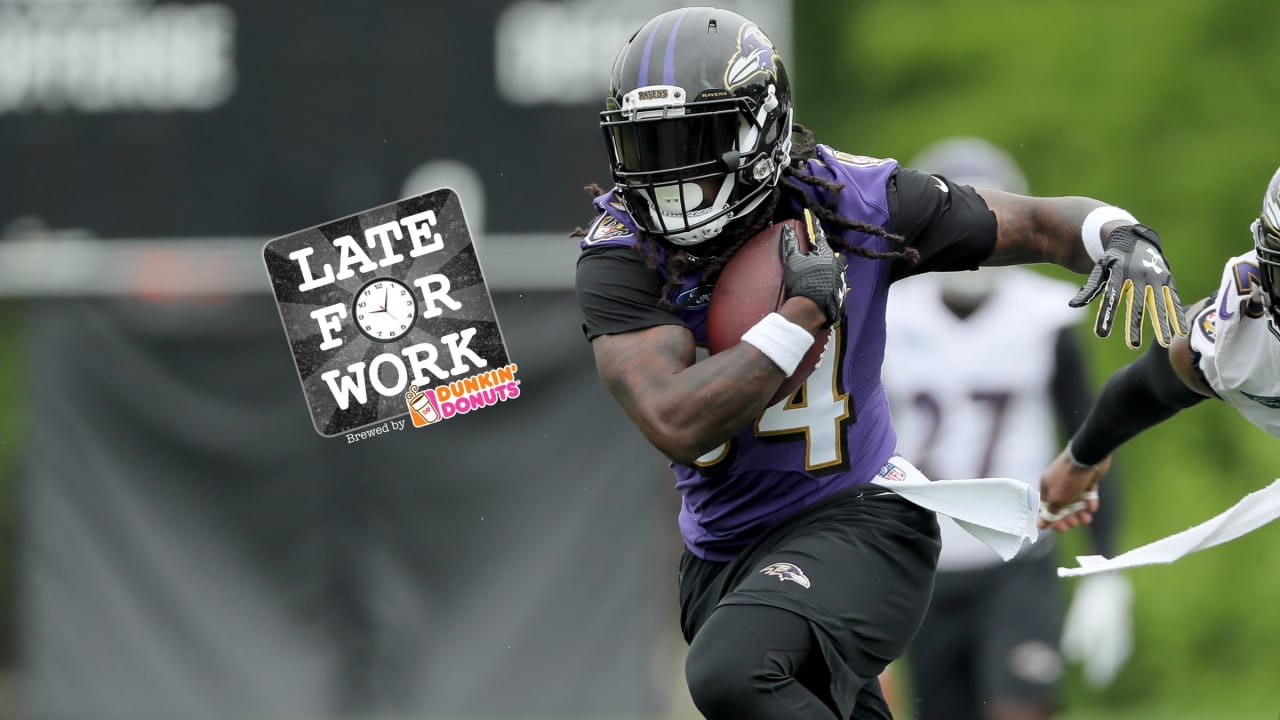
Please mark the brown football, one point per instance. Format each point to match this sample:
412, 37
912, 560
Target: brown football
750, 287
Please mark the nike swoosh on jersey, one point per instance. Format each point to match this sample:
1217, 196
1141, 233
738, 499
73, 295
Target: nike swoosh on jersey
941, 185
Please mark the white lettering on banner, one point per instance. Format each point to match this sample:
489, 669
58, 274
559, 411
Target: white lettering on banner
350, 253
374, 431
457, 344
329, 319
420, 227
552, 52
98, 57
384, 232
310, 281
418, 364
436, 287
375, 375
345, 387
351, 385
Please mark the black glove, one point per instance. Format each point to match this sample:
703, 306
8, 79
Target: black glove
1133, 268
817, 275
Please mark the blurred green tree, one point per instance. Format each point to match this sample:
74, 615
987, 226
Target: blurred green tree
1168, 109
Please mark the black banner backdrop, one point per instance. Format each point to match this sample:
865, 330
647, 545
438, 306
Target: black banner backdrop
193, 549
328, 109
190, 547
158, 118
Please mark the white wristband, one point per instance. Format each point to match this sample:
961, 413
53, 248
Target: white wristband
1091, 231
781, 340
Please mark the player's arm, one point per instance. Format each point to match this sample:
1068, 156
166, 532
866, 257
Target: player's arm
685, 408
958, 227
646, 360
1043, 229
1148, 391
1124, 259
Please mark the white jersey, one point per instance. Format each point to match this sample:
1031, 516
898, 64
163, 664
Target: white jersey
972, 397
1239, 354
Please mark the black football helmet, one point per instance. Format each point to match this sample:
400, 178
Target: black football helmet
697, 122
1266, 241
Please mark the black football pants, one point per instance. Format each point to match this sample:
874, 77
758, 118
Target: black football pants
763, 663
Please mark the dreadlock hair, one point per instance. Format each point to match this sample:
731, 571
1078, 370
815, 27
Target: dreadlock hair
795, 176
595, 191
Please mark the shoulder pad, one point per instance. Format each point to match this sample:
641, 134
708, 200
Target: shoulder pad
607, 229
855, 160
1207, 323
1241, 288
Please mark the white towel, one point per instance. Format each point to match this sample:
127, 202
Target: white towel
1000, 512
1252, 512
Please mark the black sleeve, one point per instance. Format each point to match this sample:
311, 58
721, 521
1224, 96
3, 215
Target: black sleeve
618, 293
1071, 396
1139, 395
1070, 384
952, 229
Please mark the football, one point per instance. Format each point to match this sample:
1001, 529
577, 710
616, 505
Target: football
750, 287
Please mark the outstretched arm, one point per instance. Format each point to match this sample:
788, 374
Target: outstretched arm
1124, 259
1140, 395
1035, 229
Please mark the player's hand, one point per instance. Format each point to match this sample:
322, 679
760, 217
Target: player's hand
1098, 630
1134, 269
1069, 493
817, 275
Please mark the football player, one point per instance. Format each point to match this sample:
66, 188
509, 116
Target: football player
1232, 354
1014, 378
801, 581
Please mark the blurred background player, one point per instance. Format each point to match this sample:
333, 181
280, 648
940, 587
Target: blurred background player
1232, 354
983, 371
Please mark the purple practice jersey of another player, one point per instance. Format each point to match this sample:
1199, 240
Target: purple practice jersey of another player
835, 431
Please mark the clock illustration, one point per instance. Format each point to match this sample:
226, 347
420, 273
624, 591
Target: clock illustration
384, 309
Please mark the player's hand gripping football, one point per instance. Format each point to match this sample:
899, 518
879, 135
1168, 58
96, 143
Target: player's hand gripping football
1134, 269
817, 275
1069, 492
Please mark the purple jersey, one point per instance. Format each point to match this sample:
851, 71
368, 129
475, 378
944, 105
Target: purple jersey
835, 432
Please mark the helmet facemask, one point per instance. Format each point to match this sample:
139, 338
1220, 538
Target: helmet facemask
1266, 243
687, 169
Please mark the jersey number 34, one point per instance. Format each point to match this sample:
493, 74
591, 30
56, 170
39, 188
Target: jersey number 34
818, 411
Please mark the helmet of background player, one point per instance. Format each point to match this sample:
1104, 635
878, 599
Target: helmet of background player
697, 122
1266, 241
971, 161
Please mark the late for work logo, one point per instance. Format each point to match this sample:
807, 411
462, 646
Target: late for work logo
387, 311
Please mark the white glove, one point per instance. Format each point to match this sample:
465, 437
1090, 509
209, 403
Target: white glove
1098, 631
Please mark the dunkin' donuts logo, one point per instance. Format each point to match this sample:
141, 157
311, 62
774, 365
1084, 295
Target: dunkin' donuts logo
462, 396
